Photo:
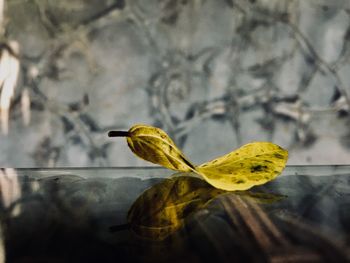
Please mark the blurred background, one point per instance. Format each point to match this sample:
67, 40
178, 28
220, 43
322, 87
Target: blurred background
213, 74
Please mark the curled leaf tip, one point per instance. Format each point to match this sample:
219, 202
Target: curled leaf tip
154, 145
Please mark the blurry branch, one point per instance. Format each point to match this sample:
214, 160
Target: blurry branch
344, 54
46, 154
25, 106
64, 37
179, 68
47, 66
66, 112
77, 125
305, 45
285, 108
2, 5
44, 19
9, 70
227, 108
323, 65
65, 40
172, 78
118, 5
297, 111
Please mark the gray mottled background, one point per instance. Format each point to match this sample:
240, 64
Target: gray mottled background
214, 74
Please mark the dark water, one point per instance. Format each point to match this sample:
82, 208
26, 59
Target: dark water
75, 216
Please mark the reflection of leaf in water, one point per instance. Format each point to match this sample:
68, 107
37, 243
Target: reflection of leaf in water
252, 164
161, 209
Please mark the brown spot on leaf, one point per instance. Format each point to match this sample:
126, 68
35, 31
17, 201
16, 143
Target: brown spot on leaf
258, 168
278, 155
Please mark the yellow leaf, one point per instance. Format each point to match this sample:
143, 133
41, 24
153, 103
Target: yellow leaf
253, 164
162, 209
154, 145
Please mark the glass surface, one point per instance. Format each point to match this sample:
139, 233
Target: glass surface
80, 215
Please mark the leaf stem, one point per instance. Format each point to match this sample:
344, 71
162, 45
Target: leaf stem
118, 134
